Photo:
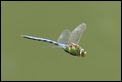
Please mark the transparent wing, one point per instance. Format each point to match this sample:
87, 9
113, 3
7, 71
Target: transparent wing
64, 37
76, 33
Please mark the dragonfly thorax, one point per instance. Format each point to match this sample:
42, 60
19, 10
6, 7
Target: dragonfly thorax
75, 50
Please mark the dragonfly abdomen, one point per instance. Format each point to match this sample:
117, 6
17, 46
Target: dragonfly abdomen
40, 39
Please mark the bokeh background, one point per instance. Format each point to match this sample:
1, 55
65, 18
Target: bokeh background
23, 59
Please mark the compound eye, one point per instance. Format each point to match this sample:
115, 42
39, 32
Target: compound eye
85, 52
81, 50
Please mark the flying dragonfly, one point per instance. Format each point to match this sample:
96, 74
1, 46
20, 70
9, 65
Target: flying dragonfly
67, 40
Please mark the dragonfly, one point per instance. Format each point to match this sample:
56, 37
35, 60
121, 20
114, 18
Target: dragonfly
69, 41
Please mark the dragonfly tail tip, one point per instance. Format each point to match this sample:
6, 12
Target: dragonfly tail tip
22, 35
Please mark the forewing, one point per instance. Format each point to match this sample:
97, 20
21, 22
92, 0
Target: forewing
64, 37
76, 33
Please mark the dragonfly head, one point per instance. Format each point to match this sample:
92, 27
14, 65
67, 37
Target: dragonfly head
82, 52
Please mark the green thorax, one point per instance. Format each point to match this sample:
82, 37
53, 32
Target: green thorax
75, 50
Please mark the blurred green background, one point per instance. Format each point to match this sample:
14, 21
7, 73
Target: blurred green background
23, 59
